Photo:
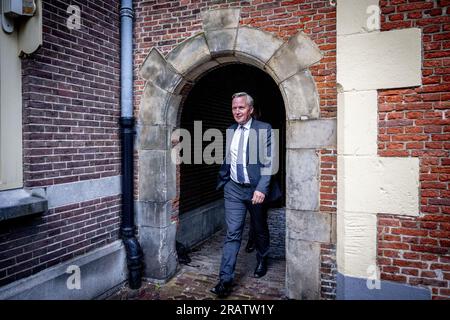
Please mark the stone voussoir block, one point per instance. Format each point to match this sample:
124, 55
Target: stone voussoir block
300, 93
189, 54
311, 134
256, 44
156, 176
297, 54
153, 137
156, 69
221, 30
172, 108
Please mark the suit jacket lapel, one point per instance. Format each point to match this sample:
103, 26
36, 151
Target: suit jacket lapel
253, 126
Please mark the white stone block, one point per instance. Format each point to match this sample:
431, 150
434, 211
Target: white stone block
301, 97
380, 60
340, 243
358, 123
101, 270
311, 134
302, 185
11, 168
221, 42
357, 16
156, 69
189, 54
379, 185
357, 244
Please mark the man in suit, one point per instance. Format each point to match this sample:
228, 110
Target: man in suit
246, 177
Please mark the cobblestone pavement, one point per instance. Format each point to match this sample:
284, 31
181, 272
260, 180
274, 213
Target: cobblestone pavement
193, 281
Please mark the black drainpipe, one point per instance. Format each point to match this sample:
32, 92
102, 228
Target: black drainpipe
127, 228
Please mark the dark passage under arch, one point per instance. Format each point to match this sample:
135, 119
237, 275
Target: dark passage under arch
209, 101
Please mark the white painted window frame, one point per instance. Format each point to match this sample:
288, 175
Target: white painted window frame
11, 164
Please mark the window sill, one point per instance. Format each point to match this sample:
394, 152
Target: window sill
18, 203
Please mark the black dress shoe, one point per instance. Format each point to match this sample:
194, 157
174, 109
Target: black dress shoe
222, 289
261, 268
250, 246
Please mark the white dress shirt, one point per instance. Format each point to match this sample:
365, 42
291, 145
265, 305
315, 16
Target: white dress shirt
234, 151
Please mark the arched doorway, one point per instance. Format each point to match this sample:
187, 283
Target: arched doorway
168, 81
209, 104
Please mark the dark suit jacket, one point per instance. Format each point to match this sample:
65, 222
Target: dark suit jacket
261, 182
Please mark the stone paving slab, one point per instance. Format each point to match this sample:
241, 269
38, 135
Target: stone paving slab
193, 281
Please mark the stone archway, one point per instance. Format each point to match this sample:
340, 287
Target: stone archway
224, 41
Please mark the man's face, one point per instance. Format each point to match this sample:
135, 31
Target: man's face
242, 112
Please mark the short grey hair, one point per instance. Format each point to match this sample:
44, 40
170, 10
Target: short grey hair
244, 94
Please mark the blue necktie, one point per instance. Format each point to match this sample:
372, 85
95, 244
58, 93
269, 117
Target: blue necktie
240, 157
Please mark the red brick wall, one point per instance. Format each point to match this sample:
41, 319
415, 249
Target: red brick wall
328, 183
414, 122
71, 97
164, 24
70, 133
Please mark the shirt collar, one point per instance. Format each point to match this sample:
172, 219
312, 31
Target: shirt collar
248, 124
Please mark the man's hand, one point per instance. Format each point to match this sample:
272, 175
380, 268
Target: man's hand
258, 197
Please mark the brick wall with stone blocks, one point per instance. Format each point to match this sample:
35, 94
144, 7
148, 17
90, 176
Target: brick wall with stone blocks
164, 24
34, 243
414, 122
70, 134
